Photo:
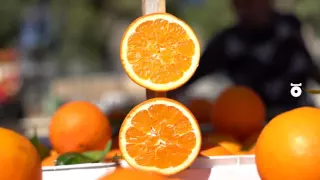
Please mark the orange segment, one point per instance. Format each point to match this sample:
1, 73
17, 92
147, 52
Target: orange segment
160, 135
160, 52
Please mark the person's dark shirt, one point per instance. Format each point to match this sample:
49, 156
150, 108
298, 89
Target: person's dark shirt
266, 59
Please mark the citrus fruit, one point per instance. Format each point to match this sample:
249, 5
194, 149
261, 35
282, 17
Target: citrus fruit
126, 173
288, 147
79, 126
232, 146
252, 150
223, 140
250, 141
112, 153
201, 109
238, 111
160, 135
19, 158
159, 52
215, 151
50, 160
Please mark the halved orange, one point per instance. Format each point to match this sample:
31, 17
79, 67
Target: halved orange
160, 52
160, 135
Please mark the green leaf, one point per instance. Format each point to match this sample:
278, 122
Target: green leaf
35, 140
99, 155
73, 158
81, 158
43, 151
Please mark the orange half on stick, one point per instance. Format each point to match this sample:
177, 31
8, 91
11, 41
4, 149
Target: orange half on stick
160, 52
160, 135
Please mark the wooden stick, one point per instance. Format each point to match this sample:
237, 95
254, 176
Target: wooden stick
153, 6
149, 7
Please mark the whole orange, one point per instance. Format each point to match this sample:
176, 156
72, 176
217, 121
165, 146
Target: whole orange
238, 111
79, 126
124, 174
19, 159
201, 109
288, 147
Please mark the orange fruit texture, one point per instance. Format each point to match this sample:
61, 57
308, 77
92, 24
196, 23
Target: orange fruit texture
223, 140
19, 159
159, 52
238, 111
201, 109
160, 135
288, 147
215, 151
126, 174
79, 126
50, 160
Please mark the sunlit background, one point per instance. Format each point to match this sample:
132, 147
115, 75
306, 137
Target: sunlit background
60, 50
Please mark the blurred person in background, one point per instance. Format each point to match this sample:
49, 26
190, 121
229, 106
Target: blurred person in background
11, 109
265, 51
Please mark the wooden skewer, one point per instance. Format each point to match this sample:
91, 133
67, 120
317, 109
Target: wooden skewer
149, 7
313, 91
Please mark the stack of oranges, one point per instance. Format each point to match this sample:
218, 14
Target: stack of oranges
160, 52
160, 136
237, 116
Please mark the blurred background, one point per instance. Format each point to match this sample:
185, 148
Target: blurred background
53, 51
